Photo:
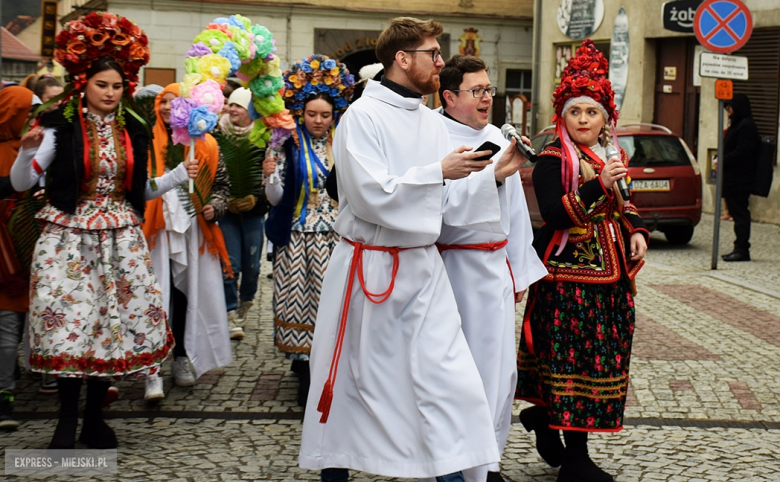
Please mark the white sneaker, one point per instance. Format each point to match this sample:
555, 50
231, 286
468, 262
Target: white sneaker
182, 374
154, 388
236, 332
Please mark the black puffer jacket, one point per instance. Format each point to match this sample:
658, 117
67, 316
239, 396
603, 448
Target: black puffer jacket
741, 147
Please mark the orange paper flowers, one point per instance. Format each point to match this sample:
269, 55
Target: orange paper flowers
100, 34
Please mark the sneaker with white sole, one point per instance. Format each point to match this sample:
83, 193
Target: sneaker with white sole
48, 385
236, 331
154, 388
243, 309
182, 374
7, 419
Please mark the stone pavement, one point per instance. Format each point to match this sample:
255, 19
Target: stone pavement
704, 399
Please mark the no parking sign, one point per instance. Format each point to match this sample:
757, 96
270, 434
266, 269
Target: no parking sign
723, 26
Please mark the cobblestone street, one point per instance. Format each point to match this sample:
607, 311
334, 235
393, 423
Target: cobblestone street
704, 398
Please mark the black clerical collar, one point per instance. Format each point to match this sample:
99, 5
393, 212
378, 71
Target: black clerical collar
448, 116
400, 89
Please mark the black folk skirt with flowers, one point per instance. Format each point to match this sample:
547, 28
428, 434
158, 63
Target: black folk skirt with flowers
580, 335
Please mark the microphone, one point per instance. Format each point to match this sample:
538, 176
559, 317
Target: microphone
621, 183
509, 133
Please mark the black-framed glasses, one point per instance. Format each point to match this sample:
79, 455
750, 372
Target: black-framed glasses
480, 92
435, 53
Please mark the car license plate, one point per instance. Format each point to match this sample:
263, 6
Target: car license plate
650, 185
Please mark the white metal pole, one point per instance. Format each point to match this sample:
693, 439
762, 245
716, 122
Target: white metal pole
191, 159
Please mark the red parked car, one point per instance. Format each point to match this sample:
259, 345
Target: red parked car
665, 184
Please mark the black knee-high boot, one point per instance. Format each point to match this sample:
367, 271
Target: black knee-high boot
65, 433
548, 441
96, 433
577, 465
304, 378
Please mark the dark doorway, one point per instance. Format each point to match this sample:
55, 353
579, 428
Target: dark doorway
676, 98
358, 60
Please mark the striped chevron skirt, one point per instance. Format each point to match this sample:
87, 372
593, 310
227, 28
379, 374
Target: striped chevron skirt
299, 269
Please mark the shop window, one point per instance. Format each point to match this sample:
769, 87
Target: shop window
517, 102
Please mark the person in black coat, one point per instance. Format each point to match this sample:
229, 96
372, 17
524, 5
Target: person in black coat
741, 148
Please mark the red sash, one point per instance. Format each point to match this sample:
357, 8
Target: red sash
493, 247
481, 247
326, 398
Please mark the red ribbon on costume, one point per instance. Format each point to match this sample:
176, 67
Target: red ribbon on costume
326, 398
85, 139
481, 247
129, 162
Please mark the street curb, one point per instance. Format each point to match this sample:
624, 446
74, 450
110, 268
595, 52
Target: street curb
206, 415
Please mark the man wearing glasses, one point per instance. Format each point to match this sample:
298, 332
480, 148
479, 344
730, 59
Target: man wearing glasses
489, 271
408, 400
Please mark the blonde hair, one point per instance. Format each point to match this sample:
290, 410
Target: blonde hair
587, 172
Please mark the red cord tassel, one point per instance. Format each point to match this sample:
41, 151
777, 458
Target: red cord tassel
326, 398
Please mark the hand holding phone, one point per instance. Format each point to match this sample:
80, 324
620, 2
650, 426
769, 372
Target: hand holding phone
460, 162
487, 146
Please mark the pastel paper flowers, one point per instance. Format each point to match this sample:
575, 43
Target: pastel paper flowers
202, 120
208, 94
233, 46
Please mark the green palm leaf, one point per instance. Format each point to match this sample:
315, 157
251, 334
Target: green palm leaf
241, 161
174, 155
145, 106
201, 195
25, 229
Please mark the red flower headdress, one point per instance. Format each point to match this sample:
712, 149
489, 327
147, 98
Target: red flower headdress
96, 35
586, 76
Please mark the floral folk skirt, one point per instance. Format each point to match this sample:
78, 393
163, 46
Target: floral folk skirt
581, 336
299, 269
96, 308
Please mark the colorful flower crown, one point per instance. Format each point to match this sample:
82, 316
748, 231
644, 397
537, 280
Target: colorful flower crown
100, 34
228, 47
586, 75
314, 75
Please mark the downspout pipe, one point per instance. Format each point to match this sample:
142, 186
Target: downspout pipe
537, 48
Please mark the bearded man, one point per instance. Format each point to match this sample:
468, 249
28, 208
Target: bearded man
408, 401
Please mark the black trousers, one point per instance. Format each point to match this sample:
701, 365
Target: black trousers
178, 319
738, 202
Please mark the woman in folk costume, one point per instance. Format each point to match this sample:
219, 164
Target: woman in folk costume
300, 225
579, 321
96, 309
188, 253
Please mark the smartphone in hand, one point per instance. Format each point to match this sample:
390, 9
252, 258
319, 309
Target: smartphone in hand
487, 146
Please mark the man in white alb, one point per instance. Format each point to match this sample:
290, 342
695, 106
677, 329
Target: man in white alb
488, 271
394, 388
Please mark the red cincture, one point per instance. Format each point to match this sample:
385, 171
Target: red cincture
326, 398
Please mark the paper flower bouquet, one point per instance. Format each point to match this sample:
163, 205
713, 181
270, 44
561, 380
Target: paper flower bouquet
231, 47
